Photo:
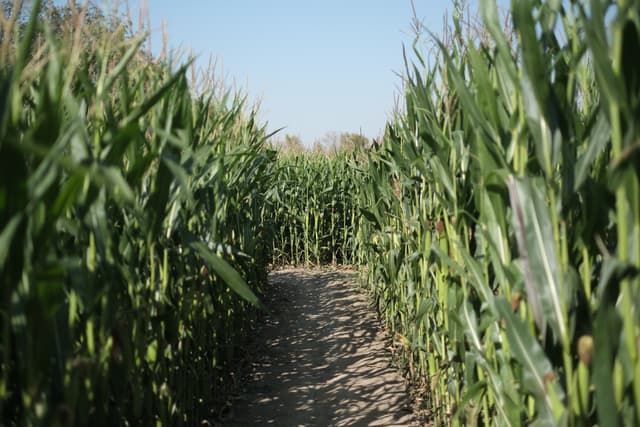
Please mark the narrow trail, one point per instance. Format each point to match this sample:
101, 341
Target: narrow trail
322, 359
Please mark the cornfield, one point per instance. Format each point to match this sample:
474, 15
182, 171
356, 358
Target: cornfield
314, 208
131, 246
496, 225
504, 249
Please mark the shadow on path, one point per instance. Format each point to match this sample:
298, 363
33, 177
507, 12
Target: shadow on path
322, 359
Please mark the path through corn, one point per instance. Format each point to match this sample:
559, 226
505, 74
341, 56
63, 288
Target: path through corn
322, 359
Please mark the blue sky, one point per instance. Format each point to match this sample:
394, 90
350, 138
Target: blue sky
317, 67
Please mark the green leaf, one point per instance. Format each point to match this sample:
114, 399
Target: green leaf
547, 143
607, 327
105, 85
151, 101
505, 64
599, 138
370, 216
112, 179
467, 100
610, 87
477, 279
6, 236
541, 109
69, 193
152, 352
538, 375
180, 175
475, 392
443, 177
544, 284
469, 320
227, 273
28, 38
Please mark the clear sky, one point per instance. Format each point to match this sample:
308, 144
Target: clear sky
317, 67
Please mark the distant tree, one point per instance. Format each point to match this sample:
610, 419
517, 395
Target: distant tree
292, 144
333, 142
352, 142
318, 148
68, 21
6, 6
60, 18
329, 142
55, 15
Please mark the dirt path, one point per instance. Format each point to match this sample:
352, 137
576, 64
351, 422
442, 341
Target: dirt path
322, 359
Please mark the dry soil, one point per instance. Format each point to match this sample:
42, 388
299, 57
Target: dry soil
322, 359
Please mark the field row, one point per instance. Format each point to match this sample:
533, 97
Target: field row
496, 224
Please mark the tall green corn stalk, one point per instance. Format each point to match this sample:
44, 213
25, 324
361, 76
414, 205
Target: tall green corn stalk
501, 218
131, 240
313, 204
